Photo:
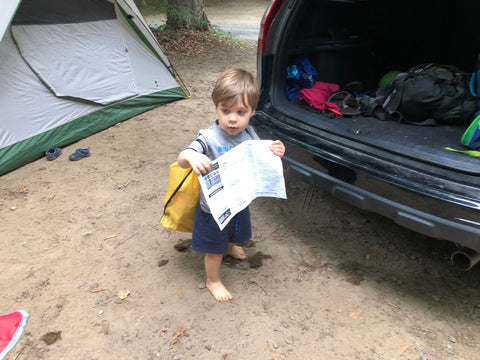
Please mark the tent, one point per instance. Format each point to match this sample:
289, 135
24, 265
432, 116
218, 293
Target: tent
70, 68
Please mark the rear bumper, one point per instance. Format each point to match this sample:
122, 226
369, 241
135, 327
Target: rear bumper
358, 180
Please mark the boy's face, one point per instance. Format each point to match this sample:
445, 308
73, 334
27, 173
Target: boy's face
235, 118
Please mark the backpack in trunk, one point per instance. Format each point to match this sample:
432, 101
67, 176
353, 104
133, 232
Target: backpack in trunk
427, 94
475, 83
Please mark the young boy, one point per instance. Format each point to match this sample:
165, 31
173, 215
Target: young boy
235, 96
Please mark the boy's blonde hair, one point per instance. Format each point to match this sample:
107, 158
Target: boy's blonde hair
236, 84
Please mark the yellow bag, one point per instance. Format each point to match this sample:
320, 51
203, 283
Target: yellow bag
181, 200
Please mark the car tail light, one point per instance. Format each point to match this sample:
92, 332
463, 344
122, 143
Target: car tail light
266, 23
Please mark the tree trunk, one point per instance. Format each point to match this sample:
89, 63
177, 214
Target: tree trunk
187, 14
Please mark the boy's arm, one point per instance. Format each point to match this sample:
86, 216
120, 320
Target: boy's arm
278, 148
199, 162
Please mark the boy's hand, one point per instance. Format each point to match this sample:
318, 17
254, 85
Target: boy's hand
200, 163
278, 148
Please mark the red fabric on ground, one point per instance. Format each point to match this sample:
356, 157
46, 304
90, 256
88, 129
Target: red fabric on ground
8, 326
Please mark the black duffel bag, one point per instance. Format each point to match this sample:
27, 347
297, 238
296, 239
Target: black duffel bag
427, 94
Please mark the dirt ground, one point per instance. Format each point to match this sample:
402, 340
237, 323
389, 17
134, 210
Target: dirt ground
323, 280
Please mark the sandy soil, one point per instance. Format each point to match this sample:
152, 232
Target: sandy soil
323, 280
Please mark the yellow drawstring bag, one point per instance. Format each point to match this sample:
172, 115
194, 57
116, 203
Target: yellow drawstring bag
181, 200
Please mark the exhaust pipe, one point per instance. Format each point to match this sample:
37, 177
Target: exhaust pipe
465, 258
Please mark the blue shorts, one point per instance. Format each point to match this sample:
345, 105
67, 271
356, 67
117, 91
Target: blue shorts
208, 238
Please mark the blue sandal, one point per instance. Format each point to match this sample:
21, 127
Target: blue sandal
79, 154
53, 153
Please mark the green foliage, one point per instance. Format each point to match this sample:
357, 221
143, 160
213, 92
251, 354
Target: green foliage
217, 31
152, 6
186, 18
164, 27
180, 12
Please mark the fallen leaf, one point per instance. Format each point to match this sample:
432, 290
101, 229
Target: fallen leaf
125, 273
163, 262
96, 290
50, 337
105, 326
403, 348
179, 292
183, 245
123, 294
273, 352
396, 306
180, 332
355, 314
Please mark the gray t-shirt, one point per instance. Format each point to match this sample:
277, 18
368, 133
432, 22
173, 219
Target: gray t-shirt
215, 142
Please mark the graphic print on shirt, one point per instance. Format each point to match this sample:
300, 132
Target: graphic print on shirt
224, 149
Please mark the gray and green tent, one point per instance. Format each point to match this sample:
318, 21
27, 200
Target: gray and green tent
70, 68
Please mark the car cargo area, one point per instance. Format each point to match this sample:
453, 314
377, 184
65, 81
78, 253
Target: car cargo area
355, 43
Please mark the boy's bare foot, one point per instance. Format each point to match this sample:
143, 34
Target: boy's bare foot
219, 291
236, 252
